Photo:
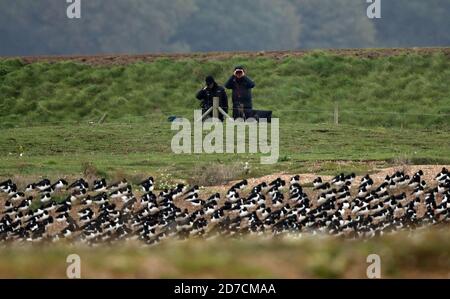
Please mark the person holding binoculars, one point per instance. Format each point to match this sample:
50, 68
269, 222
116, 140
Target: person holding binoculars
242, 86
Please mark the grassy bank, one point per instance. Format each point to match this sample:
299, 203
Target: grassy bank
403, 90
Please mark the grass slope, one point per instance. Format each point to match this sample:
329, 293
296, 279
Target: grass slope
141, 148
370, 91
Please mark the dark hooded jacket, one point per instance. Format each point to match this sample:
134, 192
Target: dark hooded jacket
242, 91
206, 95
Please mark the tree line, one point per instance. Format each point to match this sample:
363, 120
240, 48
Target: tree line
141, 26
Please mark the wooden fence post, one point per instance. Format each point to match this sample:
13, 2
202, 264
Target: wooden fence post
336, 113
102, 119
215, 107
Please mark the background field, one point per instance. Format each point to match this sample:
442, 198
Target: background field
394, 108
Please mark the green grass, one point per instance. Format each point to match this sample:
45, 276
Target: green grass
418, 255
370, 92
142, 148
46, 110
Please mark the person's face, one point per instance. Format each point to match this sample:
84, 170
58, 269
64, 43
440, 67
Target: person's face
210, 86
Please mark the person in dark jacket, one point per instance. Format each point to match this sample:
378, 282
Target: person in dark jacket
242, 93
210, 91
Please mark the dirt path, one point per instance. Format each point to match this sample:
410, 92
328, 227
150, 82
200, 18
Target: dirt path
123, 59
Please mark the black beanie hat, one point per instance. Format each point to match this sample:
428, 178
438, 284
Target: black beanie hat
210, 80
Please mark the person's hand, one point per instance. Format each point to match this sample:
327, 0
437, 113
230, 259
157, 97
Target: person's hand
239, 73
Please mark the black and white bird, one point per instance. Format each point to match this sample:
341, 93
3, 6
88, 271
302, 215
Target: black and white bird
338, 180
193, 191
99, 185
240, 185
147, 185
118, 185
443, 175
294, 180
44, 184
79, 184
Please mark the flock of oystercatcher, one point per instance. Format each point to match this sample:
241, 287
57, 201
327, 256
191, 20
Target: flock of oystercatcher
108, 213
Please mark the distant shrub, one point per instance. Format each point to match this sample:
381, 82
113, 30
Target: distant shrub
216, 174
89, 170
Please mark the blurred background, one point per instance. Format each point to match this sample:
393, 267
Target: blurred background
145, 26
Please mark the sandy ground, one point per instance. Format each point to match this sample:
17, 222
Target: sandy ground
378, 176
430, 172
